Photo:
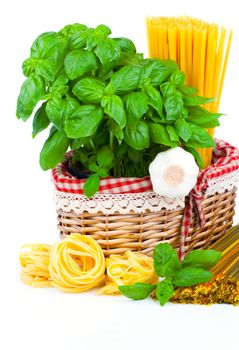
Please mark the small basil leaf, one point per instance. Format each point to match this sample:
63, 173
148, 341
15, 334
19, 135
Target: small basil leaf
173, 105
172, 133
53, 150
78, 39
108, 52
115, 109
40, 121
89, 90
196, 100
83, 122
116, 130
32, 91
154, 99
190, 276
183, 129
158, 134
72, 29
138, 138
137, 291
59, 109
28, 67
125, 45
177, 77
167, 89
202, 258
166, 261
126, 79
196, 155
164, 291
91, 185
156, 71
105, 157
187, 90
79, 62
136, 106
200, 137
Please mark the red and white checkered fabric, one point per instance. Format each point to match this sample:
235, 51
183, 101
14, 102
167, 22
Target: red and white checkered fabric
65, 182
225, 160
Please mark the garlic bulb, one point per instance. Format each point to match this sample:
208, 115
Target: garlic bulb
173, 173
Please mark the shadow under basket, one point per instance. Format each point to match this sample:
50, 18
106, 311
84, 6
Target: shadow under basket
117, 233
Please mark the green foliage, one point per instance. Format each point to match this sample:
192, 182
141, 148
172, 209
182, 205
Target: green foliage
191, 271
99, 93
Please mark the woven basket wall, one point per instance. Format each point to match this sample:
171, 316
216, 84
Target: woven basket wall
117, 233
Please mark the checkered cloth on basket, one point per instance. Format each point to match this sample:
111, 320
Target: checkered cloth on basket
225, 160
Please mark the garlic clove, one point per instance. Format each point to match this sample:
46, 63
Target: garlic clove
173, 173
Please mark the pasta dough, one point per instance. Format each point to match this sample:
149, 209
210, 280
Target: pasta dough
77, 264
34, 260
128, 268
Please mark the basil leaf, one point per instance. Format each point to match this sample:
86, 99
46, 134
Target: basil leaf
116, 130
166, 261
183, 129
200, 137
72, 29
189, 276
177, 77
28, 67
79, 62
108, 52
196, 100
164, 291
91, 185
154, 99
125, 45
203, 118
48, 52
105, 157
202, 258
115, 109
167, 89
77, 143
89, 90
138, 138
53, 150
172, 133
136, 106
187, 90
40, 121
137, 291
156, 71
102, 30
84, 121
32, 91
158, 134
196, 155
59, 109
173, 105
126, 79
79, 38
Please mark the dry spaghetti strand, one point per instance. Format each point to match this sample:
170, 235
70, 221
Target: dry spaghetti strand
201, 49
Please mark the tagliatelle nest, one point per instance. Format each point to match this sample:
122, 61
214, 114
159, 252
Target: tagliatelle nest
128, 268
221, 289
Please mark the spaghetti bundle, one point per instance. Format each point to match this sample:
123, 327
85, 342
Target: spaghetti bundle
34, 260
77, 264
128, 268
201, 49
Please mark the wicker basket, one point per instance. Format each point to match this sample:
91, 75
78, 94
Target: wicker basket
117, 233
128, 215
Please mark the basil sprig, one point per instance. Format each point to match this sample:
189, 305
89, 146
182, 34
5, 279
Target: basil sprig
193, 270
100, 94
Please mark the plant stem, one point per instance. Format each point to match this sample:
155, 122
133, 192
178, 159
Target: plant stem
92, 145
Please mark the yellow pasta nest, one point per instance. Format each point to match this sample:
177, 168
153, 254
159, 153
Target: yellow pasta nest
128, 268
77, 264
34, 260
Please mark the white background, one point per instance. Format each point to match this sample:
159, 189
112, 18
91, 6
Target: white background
48, 319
